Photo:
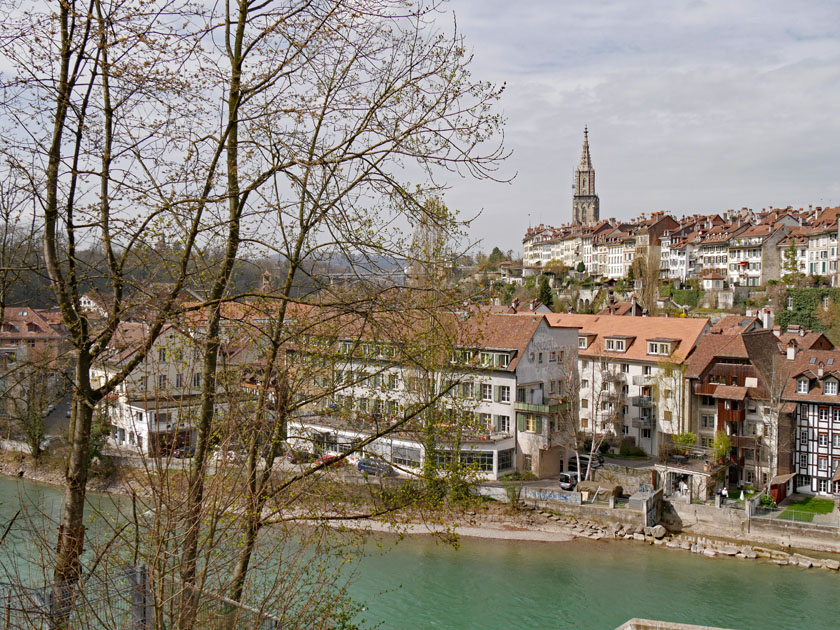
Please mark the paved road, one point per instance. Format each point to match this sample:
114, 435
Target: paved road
56, 423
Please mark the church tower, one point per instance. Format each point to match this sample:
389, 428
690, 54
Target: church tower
585, 206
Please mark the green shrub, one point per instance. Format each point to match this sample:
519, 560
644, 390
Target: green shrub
767, 501
631, 450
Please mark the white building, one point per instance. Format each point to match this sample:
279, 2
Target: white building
631, 374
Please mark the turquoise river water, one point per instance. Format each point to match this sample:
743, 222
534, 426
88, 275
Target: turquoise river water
582, 584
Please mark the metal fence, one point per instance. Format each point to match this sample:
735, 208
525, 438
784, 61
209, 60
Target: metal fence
796, 516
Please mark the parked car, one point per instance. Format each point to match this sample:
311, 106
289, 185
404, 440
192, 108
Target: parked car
375, 467
568, 480
330, 460
597, 461
183, 452
301, 457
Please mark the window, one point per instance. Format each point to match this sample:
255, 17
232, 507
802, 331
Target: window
196, 380
822, 463
803, 437
830, 388
162, 381
802, 386
504, 393
669, 393
822, 485
584, 384
162, 355
552, 356
646, 370
748, 453
584, 403
803, 461
625, 368
750, 477
646, 433
823, 414
520, 394
582, 342
409, 457
837, 414
667, 415
178, 380
485, 421
835, 440
707, 422
505, 459
486, 391
502, 423
822, 439
707, 401
539, 358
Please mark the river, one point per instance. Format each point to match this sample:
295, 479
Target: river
418, 583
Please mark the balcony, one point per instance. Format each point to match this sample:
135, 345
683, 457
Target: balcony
613, 397
547, 406
704, 389
731, 415
643, 423
643, 379
609, 376
643, 402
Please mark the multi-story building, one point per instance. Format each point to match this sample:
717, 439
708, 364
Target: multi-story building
152, 410
811, 397
754, 254
505, 386
735, 387
630, 372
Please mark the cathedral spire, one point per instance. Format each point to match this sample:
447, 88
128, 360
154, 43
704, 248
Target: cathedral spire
585, 159
585, 204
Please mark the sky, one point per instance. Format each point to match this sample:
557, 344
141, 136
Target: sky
692, 106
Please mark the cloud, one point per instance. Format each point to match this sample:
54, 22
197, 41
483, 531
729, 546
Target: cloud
692, 106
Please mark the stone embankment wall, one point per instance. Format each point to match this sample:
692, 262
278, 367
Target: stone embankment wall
707, 520
794, 535
630, 479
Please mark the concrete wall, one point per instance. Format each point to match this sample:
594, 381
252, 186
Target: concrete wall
797, 535
706, 520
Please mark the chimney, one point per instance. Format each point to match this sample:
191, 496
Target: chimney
802, 331
820, 369
791, 350
633, 305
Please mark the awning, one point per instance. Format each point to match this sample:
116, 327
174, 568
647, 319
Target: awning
730, 392
778, 480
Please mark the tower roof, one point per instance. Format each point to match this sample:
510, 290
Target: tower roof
585, 159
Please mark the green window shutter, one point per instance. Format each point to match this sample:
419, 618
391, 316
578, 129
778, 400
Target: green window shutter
539, 424
497, 393
477, 391
520, 421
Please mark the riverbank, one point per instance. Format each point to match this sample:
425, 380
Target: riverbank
486, 520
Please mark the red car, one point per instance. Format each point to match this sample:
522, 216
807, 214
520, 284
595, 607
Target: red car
329, 460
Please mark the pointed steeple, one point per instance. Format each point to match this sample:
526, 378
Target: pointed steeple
585, 159
585, 204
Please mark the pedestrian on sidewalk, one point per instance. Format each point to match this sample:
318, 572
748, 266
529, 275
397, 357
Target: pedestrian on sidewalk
725, 494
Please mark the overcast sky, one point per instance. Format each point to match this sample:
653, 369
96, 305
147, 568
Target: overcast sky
692, 106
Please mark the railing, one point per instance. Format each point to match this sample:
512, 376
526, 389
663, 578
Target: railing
615, 377
793, 515
732, 415
645, 402
643, 423
544, 408
643, 379
705, 389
